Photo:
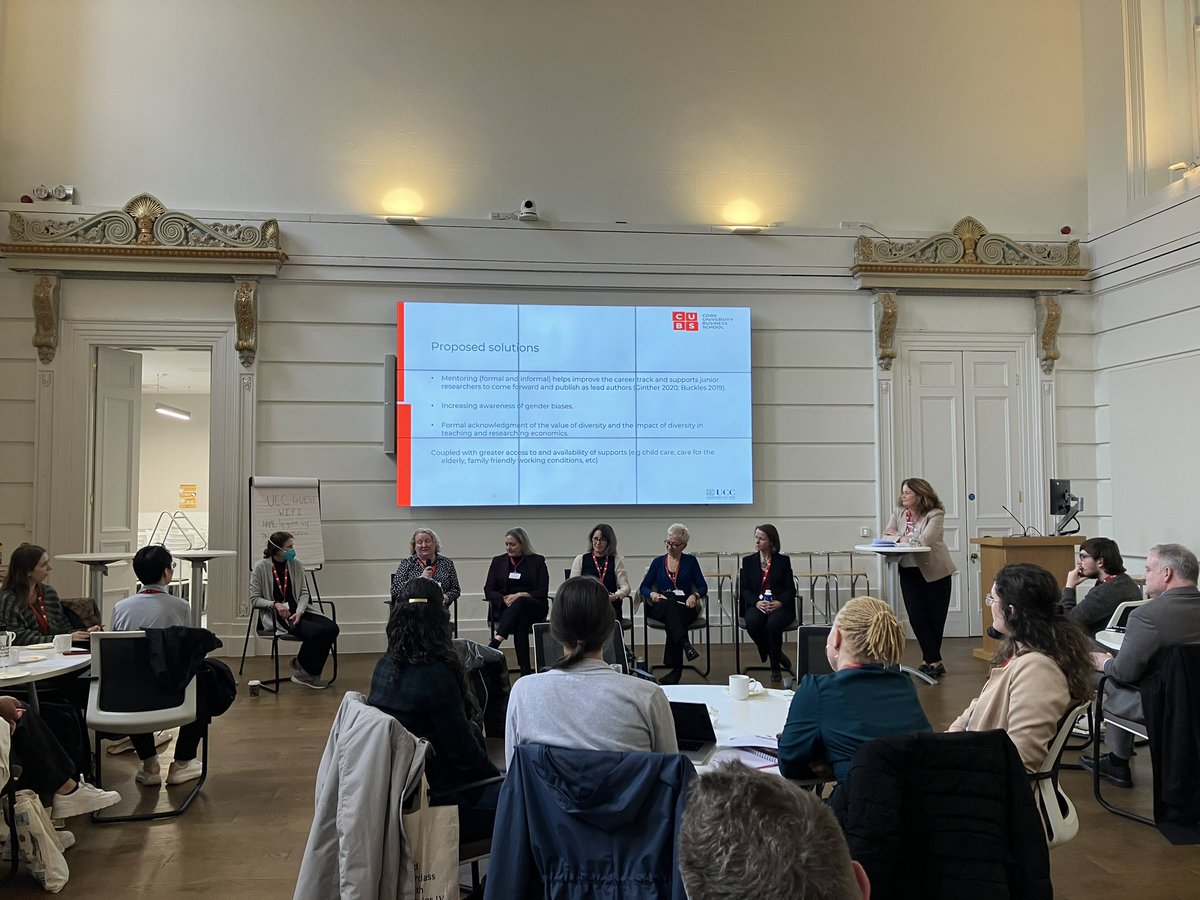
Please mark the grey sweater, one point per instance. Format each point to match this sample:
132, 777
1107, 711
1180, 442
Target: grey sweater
589, 707
1094, 610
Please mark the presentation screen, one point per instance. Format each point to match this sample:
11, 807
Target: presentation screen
554, 405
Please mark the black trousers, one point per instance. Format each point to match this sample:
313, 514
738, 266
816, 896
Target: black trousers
45, 765
185, 745
517, 621
927, 603
675, 618
317, 635
766, 630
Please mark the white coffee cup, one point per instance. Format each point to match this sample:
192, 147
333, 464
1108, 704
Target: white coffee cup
62, 643
8, 650
255, 687
739, 687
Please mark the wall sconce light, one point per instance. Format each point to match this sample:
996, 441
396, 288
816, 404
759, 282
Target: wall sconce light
402, 220
1181, 166
173, 411
745, 229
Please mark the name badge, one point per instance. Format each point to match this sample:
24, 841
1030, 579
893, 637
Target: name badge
514, 576
678, 593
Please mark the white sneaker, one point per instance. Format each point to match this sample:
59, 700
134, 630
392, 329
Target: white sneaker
84, 799
181, 772
309, 681
150, 774
66, 838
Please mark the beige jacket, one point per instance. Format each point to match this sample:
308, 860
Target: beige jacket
927, 532
1027, 698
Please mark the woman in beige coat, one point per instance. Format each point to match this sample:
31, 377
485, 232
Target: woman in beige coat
924, 577
1041, 669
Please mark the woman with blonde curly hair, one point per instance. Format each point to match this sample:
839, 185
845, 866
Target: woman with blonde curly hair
864, 698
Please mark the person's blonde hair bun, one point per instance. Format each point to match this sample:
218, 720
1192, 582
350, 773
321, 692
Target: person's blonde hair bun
871, 628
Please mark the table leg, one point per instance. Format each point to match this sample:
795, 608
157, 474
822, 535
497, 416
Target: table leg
32, 698
98, 573
196, 598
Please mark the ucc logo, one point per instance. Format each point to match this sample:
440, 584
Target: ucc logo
685, 321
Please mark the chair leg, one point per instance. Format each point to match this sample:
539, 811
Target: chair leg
166, 813
10, 820
246, 642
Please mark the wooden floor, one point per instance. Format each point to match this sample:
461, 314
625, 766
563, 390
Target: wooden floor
245, 834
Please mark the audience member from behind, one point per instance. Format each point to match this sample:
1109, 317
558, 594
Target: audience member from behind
749, 834
866, 697
279, 590
1172, 619
427, 561
1099, 558
1041, 669
155, 607
30, 607
603, 563
420, 681
581, 703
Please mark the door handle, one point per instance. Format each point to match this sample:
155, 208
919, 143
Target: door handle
974, 557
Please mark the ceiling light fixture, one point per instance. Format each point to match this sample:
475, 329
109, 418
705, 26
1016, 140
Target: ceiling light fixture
173, 411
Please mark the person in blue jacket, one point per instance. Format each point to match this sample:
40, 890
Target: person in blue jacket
672, 590
864, 698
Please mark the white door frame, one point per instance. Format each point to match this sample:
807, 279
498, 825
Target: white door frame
1036, 415
65, 410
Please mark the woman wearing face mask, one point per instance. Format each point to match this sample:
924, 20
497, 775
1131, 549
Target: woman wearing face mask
279, 590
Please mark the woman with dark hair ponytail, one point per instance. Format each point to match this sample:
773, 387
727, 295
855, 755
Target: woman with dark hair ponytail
581, 702
1041, 669
421, 681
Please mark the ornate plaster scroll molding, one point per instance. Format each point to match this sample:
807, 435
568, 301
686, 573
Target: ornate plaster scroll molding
245, 316
45, 317
967, 257
143, 238
1049, 317
886, 313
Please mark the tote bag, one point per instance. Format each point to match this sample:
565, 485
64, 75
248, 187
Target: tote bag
431, 833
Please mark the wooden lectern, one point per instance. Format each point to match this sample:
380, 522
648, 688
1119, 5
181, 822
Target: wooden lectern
1054, 553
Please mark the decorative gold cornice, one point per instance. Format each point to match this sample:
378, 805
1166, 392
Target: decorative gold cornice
141, 238
886, 313
1049, 317
245, 317
970, 256
45, 317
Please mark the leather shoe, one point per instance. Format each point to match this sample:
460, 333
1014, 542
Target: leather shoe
785, 663
776, 676
1114, 773
689, 651
671, 677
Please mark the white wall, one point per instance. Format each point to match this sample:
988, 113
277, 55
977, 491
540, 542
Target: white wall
18, 365
909, 115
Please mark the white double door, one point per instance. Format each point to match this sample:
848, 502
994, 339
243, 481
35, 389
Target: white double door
961, 422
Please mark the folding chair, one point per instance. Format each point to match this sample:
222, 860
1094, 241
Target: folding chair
125, 697
254, 623
701, 624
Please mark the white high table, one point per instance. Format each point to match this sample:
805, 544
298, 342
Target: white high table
764, 713
199, 559
33, 672
891, 558
98, 564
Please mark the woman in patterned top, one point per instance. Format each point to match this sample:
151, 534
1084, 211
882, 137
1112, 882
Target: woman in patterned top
427, 562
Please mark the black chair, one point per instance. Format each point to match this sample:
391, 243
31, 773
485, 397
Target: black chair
9, 800
796, 622
626, 621
126, 698
325, 607
491, 621
701, 624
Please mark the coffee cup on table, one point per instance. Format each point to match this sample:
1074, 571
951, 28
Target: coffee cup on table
739, 687
62, 643
8, 650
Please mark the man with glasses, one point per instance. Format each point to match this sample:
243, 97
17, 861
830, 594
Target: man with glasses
1099, 558
1172, 619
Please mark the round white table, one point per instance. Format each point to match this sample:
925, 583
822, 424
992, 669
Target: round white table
199, 559
97, 564
33, 672
764, 713
891, 556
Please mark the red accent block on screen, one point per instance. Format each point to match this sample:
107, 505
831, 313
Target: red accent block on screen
403, 454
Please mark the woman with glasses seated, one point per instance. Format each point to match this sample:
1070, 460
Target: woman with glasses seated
1041, 669
672, 590
602, 563
581, 702
865, 697
420, 680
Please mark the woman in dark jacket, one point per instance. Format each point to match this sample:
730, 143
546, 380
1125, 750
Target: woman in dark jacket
768, 598
518, 590
421, 681
29, 607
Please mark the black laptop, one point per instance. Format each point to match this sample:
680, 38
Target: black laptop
693, 730
547, 651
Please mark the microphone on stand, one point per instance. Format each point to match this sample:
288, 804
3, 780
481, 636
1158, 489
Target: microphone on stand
1024, 527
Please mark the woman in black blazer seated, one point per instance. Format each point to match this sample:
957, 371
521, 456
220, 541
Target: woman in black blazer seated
518, 589
766, 619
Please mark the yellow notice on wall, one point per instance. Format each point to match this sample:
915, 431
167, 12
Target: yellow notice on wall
187, 496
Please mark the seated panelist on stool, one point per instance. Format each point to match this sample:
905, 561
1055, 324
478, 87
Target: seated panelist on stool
672, 590
768, 598
602, 562
517, 591
426, 561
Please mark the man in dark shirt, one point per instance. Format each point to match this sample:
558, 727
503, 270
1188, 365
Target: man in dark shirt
1099, 558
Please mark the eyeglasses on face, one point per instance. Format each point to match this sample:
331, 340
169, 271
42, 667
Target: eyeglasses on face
675, 545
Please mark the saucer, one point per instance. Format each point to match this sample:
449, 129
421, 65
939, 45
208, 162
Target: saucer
754, 692
46, 646
9, 674
31, 658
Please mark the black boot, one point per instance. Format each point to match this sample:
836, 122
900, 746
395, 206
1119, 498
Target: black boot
689, 651
671, 677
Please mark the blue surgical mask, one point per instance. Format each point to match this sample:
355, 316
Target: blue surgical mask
289, 554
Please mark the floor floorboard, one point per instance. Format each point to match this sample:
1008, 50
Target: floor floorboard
245, 834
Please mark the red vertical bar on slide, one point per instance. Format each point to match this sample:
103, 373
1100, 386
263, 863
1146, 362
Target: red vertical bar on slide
403, 421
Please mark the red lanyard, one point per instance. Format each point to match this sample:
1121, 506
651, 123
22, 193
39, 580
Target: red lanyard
39, 610
674, 578
908, 521
766, 575
430, 565
602, 573
515, 561
282, 587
